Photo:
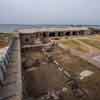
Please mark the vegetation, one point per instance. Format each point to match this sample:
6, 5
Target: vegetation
92, 42
74, 44
6, 38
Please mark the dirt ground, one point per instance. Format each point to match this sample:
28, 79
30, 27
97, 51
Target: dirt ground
45, 77
76, 65
3, 44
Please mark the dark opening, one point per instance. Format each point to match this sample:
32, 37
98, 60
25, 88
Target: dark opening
51, 34
36, 35
44, 34
81, 32
74, 33
26, 40
60, 33
67, 33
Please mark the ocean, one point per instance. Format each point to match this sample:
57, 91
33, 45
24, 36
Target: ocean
12, 28
15, 27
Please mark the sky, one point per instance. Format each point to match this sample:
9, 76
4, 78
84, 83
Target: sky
50, 12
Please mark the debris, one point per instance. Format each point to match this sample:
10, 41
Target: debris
85, 73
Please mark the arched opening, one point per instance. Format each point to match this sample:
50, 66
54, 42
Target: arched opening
44, 34
26, 39
51, 34
81, 32
74, 33
67, 33
36, 35
60, 33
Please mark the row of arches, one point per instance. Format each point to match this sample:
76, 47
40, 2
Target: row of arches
30, 37
51, 34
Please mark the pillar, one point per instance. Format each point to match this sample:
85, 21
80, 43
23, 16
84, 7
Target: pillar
78, 33
71, 33
64, 33
56, 34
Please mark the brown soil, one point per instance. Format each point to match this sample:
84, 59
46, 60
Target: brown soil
47, 77
3, 44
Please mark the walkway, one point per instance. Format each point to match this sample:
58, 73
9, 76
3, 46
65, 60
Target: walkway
12, 89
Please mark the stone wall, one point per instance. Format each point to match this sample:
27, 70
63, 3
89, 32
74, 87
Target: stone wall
28, 38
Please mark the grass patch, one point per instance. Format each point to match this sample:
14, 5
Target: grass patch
75, 45
91, 42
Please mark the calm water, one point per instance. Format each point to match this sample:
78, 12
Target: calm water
13, 28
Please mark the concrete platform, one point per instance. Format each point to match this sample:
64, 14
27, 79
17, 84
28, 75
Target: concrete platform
12, 89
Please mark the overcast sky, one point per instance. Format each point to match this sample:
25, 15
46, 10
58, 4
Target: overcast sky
49, 11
